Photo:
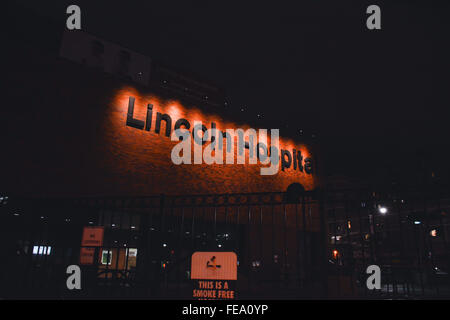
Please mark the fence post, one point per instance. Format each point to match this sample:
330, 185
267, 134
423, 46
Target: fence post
144, 260
323, 270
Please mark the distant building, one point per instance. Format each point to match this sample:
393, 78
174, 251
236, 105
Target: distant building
344, 182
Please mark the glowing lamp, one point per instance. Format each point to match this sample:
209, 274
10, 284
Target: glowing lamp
335, 254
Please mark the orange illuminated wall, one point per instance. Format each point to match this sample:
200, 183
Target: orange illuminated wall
142, 159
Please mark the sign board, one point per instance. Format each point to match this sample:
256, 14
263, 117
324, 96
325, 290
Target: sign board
92, 237
214, 275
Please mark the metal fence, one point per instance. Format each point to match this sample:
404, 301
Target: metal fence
405, 233
315, 244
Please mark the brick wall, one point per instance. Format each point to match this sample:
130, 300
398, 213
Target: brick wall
67, 136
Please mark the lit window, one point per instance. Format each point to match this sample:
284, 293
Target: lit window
42, 250
106, 257
336, 238
256, 264
132, 252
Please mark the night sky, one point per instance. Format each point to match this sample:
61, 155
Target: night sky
376, 100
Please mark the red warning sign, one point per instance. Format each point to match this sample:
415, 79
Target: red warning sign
214, 275
214, 265
92, 237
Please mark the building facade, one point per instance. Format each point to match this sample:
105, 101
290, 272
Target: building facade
89, 129
75, 136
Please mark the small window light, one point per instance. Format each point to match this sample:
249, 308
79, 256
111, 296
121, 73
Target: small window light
42, 250
335, 254
106, 257
256, 264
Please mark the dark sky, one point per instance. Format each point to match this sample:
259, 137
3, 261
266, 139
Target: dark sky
373, 98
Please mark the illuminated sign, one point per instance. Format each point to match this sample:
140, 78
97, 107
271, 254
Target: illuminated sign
289, 159
92, 237
214, 275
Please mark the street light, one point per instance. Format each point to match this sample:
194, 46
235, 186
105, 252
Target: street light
382, 210
335, 254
